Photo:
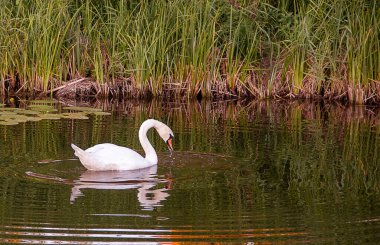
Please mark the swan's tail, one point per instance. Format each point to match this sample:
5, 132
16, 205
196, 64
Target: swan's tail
77, 151
84, 157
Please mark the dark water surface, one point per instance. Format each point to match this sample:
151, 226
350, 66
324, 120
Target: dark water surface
241, 173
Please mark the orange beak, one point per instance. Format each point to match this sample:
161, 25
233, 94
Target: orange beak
169, 143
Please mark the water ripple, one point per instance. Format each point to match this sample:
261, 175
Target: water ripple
66, 235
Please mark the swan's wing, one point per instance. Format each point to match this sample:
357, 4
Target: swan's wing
113, 153
110, 156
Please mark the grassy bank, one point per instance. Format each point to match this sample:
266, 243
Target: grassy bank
216, 49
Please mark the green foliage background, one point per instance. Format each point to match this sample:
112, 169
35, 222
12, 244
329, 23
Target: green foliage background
215, 48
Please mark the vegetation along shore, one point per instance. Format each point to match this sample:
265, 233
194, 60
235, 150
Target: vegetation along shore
192, 48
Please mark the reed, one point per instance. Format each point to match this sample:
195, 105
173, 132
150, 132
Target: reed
186, 49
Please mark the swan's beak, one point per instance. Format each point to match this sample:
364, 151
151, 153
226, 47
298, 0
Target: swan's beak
169, 143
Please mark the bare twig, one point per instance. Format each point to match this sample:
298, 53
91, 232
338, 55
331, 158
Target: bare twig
67, 84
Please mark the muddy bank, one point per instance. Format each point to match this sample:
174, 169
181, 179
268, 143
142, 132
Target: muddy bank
82, 88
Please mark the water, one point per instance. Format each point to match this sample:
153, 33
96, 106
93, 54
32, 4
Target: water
240, 173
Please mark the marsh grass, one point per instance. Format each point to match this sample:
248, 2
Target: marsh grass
186, 49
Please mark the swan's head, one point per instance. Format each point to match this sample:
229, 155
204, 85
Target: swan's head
166, 134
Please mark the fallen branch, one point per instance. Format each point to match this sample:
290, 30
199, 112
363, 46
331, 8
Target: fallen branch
66, 85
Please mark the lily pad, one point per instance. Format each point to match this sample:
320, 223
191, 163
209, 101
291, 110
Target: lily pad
43, 101
29, 112
8, 113
83, 109
74, 115
8, 109
34, 119
19, 118
50, 116
44, 108
102, 113
8, 123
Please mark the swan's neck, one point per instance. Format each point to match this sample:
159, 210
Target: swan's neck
150, 153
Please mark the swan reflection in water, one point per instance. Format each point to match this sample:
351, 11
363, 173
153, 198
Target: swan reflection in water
144, 180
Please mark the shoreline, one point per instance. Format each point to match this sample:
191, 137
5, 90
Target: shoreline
86, 88
286, 111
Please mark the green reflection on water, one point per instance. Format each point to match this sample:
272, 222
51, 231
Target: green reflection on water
246, 172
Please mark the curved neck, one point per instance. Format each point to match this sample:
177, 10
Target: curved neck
150, 153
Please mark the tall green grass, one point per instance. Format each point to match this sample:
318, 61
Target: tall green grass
215, 48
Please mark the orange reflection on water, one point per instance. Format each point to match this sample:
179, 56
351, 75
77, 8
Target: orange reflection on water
49, 235
216, 236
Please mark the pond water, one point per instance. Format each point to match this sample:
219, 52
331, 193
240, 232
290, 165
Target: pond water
251, 173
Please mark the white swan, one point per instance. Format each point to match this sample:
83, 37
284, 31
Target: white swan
112, 157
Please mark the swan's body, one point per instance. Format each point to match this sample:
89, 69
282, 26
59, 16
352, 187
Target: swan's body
113, 157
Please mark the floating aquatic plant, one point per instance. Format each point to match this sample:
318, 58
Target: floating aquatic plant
50, 116
101, 113
45, 110
74, 115
29, 112
83, 109
8, 123
39, 102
